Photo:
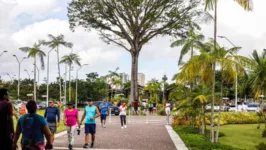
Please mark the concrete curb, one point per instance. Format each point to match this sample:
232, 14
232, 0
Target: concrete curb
179, 144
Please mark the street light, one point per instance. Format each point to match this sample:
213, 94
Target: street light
10, 77
28, 72
47, 79
76, 103
164, 80
3, 53
19, 63
223, 37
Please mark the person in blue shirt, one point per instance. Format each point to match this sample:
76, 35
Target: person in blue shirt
104, 108
90, 113
51, 113
33, 128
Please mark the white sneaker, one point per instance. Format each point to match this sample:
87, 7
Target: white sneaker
122, 127
125, 126
104, 126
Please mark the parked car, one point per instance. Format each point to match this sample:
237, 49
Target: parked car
216, 107
232, 108
253, 107
42, 105
114, 109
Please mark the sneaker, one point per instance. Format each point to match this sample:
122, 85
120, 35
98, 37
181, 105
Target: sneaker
92, 145
104, 126
125, 126
86, 146
70, 147
122, 127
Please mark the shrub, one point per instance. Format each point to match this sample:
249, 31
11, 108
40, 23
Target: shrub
161, 112
261, 146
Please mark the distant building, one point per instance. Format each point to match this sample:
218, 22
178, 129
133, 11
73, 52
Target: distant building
124, 77
141, 79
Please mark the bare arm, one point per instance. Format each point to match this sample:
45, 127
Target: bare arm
78, 119
16, 137
47, 134
83, 116
64, 118
97, 113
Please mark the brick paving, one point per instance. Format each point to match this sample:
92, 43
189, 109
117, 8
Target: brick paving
138, 135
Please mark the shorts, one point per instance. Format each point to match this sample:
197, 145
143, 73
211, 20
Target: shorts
135, 108
52, 126
103, 116
90, 128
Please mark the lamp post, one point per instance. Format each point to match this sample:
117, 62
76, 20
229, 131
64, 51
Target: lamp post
3, 53
27, 72
223, 37
47, 79
76, 102
10, 77
261, 102
19, 64
164, 80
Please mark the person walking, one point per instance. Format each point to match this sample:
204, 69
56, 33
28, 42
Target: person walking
50, 114
168, 111
136, 106
71, 120
33, 128
123, 114
150, 107
6, 125
91, 112
104, 108
23, 110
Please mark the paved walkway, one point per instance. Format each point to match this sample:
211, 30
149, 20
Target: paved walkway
138, 135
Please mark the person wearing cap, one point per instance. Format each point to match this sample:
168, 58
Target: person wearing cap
6, 125
104, 108
91, 112
52, 116
71, 120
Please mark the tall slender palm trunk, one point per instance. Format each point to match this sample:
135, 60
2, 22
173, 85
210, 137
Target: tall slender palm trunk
59, 74
213, 76
34, 90
69, 83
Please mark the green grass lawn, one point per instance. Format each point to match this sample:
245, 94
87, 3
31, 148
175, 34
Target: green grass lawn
243, 136
61, 127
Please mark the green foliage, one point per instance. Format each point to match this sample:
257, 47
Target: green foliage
195, 141
261, 146
235, 118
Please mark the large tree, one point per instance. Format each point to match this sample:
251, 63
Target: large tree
35, 52
131, 24
54, 43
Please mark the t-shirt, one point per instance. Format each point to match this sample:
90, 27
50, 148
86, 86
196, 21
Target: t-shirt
31, 126
51, 113
90, 112
136, 104
6, 113
71, 117
122, 110
104, 108
167, 107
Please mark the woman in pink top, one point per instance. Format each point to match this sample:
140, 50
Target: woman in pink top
71, 120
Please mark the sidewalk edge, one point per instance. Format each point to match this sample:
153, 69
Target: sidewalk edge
178, 142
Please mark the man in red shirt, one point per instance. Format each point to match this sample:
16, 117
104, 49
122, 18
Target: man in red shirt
136, 106
6, 125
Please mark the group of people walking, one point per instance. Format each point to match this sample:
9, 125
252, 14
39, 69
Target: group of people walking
36, 128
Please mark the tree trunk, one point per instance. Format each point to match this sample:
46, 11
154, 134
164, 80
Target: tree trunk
213, 76
134, 77
69, 83
203, 120
34, 93
59, 74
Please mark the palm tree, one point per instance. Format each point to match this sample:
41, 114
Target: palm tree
34, 52
188, 43
212, 4
113, 76
54, 43
257, 80
153, 87
70, 60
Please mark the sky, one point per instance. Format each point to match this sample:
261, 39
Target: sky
24, 22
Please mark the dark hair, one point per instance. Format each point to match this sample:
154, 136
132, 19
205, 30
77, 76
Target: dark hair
3, 93
31, 107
